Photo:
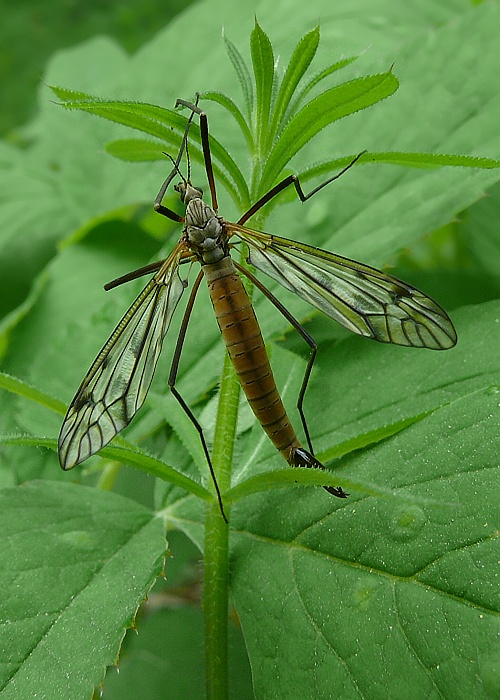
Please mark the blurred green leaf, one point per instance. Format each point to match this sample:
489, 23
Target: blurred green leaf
179, 667
135, 150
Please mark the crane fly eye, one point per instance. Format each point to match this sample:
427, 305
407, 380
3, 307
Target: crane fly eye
181, 189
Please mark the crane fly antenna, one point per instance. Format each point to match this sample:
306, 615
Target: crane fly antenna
176, 167
177, 161
184, 144
205, 144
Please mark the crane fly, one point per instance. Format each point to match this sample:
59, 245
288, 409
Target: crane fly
361, 298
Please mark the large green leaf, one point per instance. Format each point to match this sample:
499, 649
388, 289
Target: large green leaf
71, 591
371, 587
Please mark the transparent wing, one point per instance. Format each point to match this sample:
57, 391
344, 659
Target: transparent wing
117, 383
361, 298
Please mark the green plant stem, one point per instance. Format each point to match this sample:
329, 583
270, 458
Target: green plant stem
108, 476
225, 431
215, 598
216, 591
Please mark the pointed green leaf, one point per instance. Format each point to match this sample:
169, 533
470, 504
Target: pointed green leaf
301, 58
243, 74
153, 120
169, 126
370, 438
431, 160
17, 386
124, 455
412, 160
135, 150
67, 95
263, 67
328, 107
338, 65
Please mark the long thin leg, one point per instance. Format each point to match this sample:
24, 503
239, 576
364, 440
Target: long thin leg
140, 272
205, 143
173, 376
293, 180
135, 274
302, 331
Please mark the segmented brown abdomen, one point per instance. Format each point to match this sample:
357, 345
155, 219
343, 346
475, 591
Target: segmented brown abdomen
241, 333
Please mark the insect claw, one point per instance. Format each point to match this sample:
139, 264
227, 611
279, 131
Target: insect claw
336, 491
300, 457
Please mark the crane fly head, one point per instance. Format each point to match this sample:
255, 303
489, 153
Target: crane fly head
188, 192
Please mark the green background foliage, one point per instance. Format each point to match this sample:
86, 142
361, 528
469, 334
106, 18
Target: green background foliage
391, 594
32, 31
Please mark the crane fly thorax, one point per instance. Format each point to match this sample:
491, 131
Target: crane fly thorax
204, 232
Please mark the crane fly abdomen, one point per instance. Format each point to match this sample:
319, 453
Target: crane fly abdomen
241, 333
